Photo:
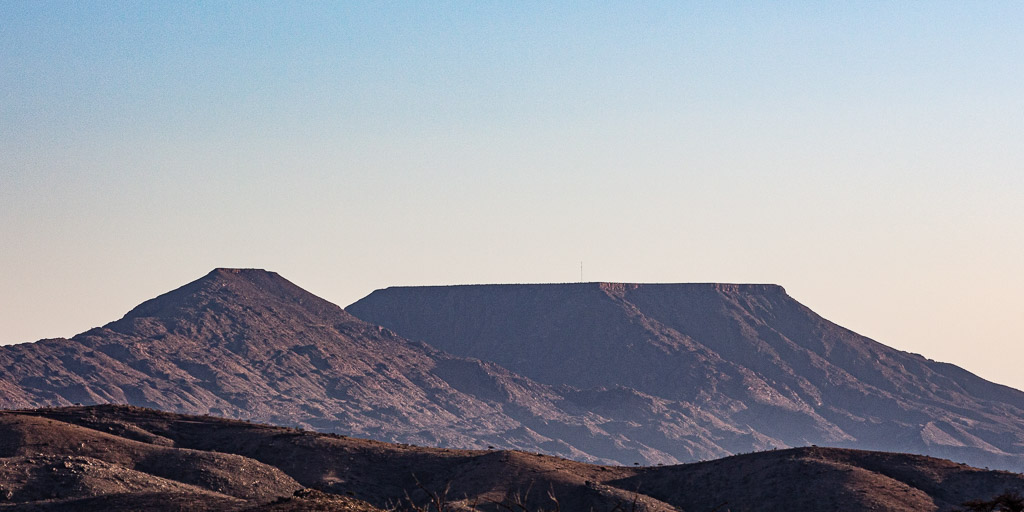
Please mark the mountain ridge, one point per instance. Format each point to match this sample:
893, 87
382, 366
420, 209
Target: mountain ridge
657, 381
128, 458
249, 344
125, 458
750, 354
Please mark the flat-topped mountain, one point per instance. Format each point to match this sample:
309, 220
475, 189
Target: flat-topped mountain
249, 344
751, 367
125, 458
653, 374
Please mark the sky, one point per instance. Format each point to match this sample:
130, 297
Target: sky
865, 155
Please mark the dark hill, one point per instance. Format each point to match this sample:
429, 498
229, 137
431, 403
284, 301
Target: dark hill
127, 458
748, 364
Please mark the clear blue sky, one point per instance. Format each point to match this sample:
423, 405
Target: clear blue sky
865, 155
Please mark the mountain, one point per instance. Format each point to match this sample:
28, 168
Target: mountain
248, 344
727, 368
604, 373
107, 457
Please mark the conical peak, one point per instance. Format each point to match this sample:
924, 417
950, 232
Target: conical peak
243, 281
247, 278
241, 274
248, 286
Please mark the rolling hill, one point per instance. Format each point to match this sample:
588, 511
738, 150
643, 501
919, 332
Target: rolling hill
107, 457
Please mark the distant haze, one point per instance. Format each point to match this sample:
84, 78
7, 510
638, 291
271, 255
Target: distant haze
866, 157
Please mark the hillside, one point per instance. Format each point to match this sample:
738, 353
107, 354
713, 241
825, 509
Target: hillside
749, 365
248, 344
127, 458
611, 374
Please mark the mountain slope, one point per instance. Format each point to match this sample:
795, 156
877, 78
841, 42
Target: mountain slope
747, 355
55, 451
249, 344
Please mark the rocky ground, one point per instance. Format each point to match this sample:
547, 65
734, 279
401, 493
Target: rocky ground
128, 458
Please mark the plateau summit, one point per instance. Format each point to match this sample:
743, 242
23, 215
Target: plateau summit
597, 372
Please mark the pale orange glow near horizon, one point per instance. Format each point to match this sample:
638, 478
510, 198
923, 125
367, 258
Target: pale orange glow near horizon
867, 158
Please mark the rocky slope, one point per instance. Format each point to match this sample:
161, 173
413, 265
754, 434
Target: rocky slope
249, 344
655, 374
128, 458
714, 368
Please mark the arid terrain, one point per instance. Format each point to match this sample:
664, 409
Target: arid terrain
591, 394
699, 370
600, 373
128, 458
250, 345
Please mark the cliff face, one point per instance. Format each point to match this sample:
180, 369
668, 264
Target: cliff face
747, 359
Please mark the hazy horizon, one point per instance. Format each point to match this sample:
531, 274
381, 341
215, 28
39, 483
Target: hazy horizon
866, 157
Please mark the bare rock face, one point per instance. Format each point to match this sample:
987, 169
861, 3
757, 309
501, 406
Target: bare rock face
717, 368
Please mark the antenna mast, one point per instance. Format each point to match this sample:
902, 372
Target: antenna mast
581, 271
